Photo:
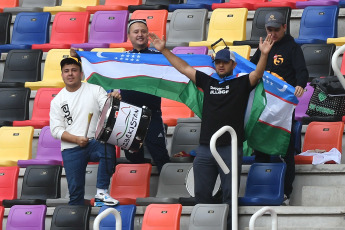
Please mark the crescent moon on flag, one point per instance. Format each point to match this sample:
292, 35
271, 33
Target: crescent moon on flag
283, 89
99, 54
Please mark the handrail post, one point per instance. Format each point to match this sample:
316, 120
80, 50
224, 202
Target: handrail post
261, 212
105, 213
335, 65
224, 167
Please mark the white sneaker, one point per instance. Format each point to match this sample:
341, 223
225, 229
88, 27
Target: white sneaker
286, 201
106, 199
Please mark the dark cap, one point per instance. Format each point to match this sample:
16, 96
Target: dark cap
274, 19
70, 61
225, 55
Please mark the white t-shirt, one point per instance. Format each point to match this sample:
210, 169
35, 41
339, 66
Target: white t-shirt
69, 112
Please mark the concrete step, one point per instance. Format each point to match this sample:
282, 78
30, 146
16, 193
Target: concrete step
323, 195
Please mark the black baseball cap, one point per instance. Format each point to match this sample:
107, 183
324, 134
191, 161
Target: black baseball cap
274, 19
70, 61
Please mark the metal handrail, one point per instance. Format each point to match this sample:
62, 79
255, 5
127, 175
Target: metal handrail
104, 214
225, 168
261, 212
335, 65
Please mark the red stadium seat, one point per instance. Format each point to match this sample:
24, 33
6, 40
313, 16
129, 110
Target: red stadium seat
7, 4
278, 3
156, 22
162, 216
172, 110
68, 28
113, 5
249, 4
41, 108
8, 184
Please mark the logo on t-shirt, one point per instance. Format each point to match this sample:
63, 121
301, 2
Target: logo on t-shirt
278, 59
67, 113
219, 90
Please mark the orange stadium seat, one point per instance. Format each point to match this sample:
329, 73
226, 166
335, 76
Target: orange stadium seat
156, 22
68, 28
162, 216
113, 5
172, 110
8, 183
71, 6
321, 135
8, 3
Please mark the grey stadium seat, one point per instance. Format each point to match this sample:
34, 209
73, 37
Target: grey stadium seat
209, 216
31, 6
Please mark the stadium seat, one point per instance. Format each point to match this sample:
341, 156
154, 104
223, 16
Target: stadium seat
8, 183
21, 66
195, 4
5, 26
318, 59
304, 4
185, 137
127, 217
31, 6
318, 23
71, 6
41, 108
162, 216
130, 181
14, 105
156, 22
71, 217
8, 3
277, 3
52, 71
113, 5
48, 151
68, 28
26, 217
40, 183
229, 24
258, 25
321, 135
265, 185
154, 5
28, 29
302, 106
185, 26
90, 187
172, 110
15, 144
209, 216
115, 50
249, 4
2, 210
106, 27
243, 50
171, 185
190, 50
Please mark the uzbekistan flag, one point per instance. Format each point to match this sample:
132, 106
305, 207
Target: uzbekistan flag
270, 107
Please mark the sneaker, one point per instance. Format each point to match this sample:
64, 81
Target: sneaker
286, 201
106, 199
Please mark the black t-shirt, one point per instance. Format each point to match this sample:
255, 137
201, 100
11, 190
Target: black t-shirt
224, 104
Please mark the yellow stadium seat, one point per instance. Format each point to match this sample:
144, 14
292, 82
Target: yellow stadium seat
15, 144
229, 24
71, 6
244, 50
337, 41
52, 71
115, 50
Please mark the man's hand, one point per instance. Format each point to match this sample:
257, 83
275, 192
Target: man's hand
73, 53
158, 43
116, 94
266, 45
299, 91
82, 141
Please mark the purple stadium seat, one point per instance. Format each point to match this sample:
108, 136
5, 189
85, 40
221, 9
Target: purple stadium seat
190, 50
106, 27
302, 5
48, 151
26, 217
302, 106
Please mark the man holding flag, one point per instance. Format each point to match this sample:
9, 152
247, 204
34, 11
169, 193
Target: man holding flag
225, 101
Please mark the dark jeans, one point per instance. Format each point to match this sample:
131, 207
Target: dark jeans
155, 142
75, 161
206, 171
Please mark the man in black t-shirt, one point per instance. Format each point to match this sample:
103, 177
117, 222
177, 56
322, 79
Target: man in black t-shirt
225, 101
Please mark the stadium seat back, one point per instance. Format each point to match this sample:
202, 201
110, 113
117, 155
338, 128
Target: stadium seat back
323, 135
71, 217
127, 216
82, 3
42, 102
8, 183
5, 25
209, 216
243, 50
2, 210
172, 110
162, 216
186, 137
39, 3
190, 50
9, 3
303, 104
26, 217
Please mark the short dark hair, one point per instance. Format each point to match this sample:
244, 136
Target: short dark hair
70, 61
131, 22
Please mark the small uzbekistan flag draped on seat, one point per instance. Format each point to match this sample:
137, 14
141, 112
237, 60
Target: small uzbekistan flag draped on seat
270, 106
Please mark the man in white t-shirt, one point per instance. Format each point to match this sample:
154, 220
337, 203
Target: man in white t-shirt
68, 122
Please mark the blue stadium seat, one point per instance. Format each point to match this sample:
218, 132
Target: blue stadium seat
127, 216
28, 29
195, 4
317, 24
265, 185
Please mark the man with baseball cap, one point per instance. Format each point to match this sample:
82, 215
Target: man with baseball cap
285, 61
225, 101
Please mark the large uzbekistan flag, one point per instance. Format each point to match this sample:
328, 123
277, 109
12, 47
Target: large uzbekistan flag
268, 117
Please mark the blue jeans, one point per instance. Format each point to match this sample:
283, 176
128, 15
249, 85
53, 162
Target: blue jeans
75, 161
206, 171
